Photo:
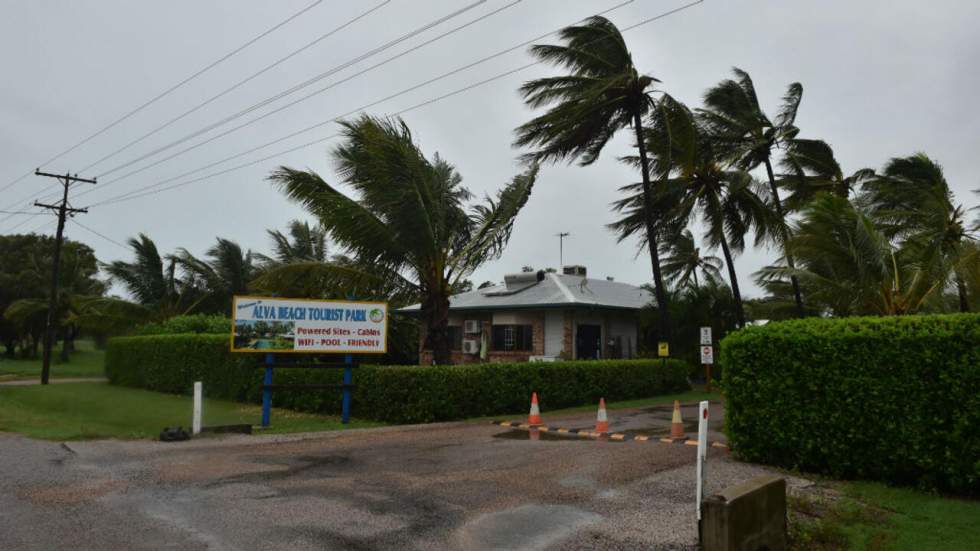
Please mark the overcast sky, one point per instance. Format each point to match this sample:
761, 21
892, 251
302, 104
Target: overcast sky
881, 79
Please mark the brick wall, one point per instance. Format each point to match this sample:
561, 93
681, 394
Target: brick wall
493, 356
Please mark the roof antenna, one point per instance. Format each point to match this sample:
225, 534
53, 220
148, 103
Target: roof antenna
561, 251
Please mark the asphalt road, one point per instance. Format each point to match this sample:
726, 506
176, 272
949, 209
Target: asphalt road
455, 486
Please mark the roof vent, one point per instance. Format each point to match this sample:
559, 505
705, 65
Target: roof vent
610, 278
575, 270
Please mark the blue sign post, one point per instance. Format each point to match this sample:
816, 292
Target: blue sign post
270, 360
278, 327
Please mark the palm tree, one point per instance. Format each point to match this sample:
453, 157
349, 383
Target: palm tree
151, 280
226, 271
810, 168
682, 259
409, 225
912, 201
303, 243
747, 138
698, 185
850, 266
602, 93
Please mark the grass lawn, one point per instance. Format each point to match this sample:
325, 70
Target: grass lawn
873, 516
85, 362
77, 411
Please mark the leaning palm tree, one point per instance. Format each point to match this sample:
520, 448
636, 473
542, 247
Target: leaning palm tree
850, 266
748, 139
809, 167
301, 243
683, 259
913, 203
151, 280
602, 93
225, 271
700, 186
409, 227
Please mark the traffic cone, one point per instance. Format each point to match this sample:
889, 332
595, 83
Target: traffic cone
534, 418
601, 422
676, 424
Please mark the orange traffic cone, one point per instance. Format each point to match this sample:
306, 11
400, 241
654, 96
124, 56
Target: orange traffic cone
534, 418
601, 422
676, 424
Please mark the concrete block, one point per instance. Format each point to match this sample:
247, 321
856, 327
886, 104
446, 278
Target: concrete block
746, 517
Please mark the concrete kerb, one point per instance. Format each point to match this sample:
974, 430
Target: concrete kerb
93, 447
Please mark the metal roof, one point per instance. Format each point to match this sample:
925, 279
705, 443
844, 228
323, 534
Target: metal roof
553, 291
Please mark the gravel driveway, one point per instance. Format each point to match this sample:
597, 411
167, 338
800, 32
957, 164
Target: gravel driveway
450, 486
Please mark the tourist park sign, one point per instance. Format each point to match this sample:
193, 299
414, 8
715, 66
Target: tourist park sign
263, 324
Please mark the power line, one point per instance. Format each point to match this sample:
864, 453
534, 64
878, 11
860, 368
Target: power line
168, 91
26, 212
235, 86
244, 81
361, 108
107, 238
307, 83
149, 190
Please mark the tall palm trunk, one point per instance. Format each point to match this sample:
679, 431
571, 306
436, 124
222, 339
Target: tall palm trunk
961, 291
435, 313
658, 280
733, 279
797, 295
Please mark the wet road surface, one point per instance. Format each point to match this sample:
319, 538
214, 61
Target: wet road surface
452, 486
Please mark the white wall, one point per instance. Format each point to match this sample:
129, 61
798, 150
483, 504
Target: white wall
554, 331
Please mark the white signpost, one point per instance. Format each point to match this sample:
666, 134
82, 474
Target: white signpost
263, 325
702, 472
196, 419
707, 355
706, 335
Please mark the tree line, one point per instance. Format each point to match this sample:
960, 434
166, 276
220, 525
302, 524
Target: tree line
887, 242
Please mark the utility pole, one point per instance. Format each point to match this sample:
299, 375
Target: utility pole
63, 210
561, 249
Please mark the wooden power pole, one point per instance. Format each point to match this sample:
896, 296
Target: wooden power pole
64, 211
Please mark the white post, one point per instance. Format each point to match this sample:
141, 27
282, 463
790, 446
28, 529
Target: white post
196, 422
702, 453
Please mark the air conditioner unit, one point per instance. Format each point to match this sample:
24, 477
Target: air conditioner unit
471, 326
471, 346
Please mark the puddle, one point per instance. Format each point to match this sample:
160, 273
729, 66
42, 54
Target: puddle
529, 527
518, 434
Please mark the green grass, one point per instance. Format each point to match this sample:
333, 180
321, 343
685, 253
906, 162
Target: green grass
915, 520
75, 411
873, 516
86, 361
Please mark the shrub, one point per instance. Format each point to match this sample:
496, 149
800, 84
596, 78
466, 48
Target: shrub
894, 399
395, 394
212, 324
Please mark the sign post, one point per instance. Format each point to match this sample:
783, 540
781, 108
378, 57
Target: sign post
707, 355
702, 473
196, 419
273, 326
707, 358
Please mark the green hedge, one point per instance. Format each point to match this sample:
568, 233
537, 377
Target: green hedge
215, 324
396, 394
894, 399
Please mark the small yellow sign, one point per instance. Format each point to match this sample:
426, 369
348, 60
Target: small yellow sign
663, 350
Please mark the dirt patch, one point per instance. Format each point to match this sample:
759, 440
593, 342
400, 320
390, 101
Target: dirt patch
75, 493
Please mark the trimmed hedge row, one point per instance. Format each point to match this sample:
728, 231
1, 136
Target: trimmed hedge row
396, 394
894, 399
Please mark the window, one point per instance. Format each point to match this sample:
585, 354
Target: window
455, 337
513, 337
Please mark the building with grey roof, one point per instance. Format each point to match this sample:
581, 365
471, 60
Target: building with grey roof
543, 316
